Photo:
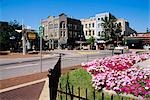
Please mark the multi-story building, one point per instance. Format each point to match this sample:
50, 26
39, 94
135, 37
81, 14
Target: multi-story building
89, 27
62, 31
51, 31
126, 30
99, 28
92, 26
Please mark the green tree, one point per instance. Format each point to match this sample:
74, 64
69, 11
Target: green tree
108, 26
91, 41
111, 29
4, 37
9, 38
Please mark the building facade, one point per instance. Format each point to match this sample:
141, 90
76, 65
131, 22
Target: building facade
51, 31
89, 27
62, 31
126, 30
99, 28
92, 26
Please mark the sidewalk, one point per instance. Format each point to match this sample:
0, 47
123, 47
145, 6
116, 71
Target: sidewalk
30, 87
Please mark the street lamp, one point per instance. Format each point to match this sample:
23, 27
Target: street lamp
41, 31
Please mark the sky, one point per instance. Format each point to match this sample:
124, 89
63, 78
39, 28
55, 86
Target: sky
30, 12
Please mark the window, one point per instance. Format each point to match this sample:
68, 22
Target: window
55, 25
70, 33
73, 27
61, 33
93, 32
92, 24
64, 33
86, 33
89, 25
99, 25
50, 26
64, 26
119, 24
99, 33
85, 25
89, 32
69, 26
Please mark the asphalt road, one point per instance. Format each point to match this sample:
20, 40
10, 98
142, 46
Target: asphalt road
68, 60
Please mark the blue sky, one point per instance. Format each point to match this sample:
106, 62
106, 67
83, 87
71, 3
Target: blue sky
137, 12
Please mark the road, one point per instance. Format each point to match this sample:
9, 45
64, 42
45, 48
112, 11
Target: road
68, 59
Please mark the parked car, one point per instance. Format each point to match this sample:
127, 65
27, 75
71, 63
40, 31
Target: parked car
119, 50
85, 47
146, 47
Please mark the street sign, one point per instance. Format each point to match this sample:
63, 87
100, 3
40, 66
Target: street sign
32, 35
41, 31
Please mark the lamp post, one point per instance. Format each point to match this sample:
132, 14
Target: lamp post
41, 31
24, 43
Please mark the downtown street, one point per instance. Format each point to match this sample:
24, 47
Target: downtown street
16, 67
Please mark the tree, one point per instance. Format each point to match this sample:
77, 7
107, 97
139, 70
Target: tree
111, 29
4, 36
91, 41
9, 38
108, 25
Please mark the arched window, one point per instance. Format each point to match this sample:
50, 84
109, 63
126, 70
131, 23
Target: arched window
62, 24
99, 33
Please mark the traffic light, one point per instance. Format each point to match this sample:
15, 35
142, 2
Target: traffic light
41, 31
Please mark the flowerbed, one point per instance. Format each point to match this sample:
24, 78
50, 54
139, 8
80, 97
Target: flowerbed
118, 73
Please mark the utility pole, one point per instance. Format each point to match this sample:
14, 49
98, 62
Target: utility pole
23, 40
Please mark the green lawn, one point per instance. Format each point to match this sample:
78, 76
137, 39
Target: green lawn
80, 78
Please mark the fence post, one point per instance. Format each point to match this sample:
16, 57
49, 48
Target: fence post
112, 97
66, 92
60, 92
102, 96
94, 94
72, 93
79, 92
86, 94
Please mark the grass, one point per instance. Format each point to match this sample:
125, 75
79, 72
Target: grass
80, 78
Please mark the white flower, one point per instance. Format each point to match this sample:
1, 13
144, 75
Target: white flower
146, 88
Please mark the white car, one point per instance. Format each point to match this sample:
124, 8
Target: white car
146, 47
121, 49
85, 47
